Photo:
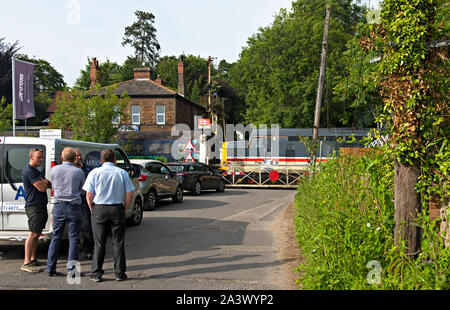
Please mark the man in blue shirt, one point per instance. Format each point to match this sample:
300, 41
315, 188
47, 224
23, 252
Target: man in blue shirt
67, 181
109, 191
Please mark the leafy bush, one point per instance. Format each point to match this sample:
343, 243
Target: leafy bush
345, 222
161, 158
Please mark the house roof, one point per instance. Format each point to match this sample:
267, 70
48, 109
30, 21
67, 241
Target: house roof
139, 87
52, 107
134, 88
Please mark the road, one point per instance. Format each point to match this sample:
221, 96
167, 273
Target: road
216, 241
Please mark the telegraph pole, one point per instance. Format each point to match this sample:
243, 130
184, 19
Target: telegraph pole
323, 64
209, 85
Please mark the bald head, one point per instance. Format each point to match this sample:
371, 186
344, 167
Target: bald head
69, 154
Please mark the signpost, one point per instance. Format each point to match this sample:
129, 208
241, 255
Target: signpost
50, 133
189, 148
204, 123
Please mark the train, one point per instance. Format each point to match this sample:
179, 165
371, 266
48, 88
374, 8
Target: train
280, 157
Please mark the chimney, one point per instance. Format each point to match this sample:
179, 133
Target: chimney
181, 77
142, 73
96, 73
158, 80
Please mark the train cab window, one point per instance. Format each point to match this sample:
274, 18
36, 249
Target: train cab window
290, 150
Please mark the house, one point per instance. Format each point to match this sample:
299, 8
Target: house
153, 109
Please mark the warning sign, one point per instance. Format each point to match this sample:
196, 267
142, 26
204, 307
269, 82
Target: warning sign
189, 158
189, 147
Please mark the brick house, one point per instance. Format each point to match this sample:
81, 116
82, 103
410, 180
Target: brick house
153, 110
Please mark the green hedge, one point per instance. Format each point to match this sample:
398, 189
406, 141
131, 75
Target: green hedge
345, 227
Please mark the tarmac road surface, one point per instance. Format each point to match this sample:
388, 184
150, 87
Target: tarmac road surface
215, 241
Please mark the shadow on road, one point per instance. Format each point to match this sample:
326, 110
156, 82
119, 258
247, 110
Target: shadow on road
172, 236
184, 240
187, 204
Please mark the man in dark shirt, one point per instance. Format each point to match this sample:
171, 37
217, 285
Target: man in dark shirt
35, 186
86, 237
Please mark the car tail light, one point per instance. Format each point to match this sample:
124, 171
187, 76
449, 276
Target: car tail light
53, 164
142, 178
183, 174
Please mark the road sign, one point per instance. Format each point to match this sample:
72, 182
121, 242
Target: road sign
274, 176
50, 133
204, 123
189, 158
189, 147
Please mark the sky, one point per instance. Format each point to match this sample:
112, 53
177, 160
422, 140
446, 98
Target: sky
66, 32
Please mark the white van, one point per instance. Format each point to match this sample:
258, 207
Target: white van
14, 157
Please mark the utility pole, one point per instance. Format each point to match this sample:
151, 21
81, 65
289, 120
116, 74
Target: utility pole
323, 64
209, 85
210, 110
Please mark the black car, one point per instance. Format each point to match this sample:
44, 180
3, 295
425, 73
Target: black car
197, 177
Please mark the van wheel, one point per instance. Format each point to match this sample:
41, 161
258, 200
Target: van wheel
150, 201
178, 197
136, 213
197, 188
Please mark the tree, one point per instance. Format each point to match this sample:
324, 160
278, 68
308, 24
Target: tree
126, 70
278, 70
5, 115
111, 74
196, 83
7, 51
47, 81
195, 75
415, 94
356, 93
91, 117
141, 35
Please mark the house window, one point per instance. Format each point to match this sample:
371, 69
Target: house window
135, 115
160, 115
116, 118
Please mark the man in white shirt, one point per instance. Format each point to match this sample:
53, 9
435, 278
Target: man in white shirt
109, 192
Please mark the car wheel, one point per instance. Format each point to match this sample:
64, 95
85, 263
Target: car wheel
178, 197
221, 187
151, 201
136, 213
197, 188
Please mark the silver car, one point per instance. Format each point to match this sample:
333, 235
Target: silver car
157, 182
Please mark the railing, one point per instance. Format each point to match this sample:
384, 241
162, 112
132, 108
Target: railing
263, 176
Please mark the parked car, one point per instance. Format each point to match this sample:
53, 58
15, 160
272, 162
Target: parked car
157, 182
197, 177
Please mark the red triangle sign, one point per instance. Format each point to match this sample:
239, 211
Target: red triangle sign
189, 147
189, 158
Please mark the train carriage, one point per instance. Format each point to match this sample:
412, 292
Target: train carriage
279, 157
